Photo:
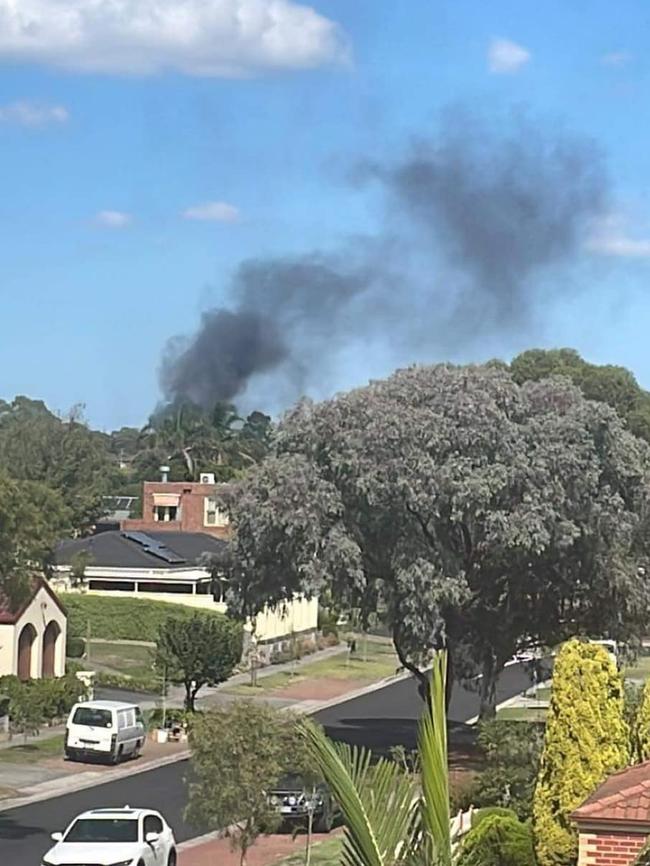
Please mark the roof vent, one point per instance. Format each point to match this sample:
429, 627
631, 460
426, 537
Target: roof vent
164, 472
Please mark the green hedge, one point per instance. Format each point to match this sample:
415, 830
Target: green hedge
120, 618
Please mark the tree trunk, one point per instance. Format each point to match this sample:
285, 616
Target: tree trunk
488, 688
422, 677
189, 697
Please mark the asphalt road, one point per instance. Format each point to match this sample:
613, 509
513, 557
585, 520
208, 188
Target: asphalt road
379, 720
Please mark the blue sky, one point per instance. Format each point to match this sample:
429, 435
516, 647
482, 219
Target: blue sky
141, 163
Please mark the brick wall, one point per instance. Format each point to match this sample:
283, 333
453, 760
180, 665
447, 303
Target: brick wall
192, 509
607, 848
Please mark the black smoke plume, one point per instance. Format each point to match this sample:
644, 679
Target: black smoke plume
474, 221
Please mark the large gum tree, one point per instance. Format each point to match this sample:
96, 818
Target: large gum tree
465, 509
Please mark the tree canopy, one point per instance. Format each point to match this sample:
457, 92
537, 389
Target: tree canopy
32, 519
461, 506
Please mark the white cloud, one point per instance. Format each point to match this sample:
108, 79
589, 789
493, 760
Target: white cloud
610, 237
616, 58
32, 114
505, 56
213, 211
142, 37
113, 219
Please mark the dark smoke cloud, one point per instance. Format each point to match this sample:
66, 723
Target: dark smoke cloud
474, 220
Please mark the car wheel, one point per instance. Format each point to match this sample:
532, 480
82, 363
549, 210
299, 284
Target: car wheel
171, 860
325, 821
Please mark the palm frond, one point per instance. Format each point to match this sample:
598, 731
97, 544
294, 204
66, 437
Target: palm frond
377, 801
432, 748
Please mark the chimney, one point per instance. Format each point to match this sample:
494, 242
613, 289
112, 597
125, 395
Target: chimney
164, 470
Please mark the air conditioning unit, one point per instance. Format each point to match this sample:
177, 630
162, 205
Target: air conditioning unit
206, 478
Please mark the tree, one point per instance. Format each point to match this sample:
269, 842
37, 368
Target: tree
199, 651
640, 725
390, 816
462, 508
239, 752
586, 739
511, 751
609, 384
61, 453
32, 519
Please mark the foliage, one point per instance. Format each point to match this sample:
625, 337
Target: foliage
462, 508
37, 702
416, 828
137, 619
238, 753
199, 651
640, 724
609, 384
32, 517
512, 752
480, 815
145, 683
498, 840
75, 647
191, 440
586, 739
61, 453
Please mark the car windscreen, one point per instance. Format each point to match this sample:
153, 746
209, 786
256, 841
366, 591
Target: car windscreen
290, 782
103, 830
92, 717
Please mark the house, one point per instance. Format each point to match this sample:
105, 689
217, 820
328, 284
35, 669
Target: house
167, 566
614, 823
180, 506
33, 634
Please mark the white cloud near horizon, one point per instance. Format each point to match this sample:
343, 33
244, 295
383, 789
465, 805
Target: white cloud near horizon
113, 219
506, 57
33, 114
610, 237
227, 38
616, 58
213, 211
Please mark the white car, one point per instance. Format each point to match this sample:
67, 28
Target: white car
114, 837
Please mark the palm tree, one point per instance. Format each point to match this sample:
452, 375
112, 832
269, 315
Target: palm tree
391, 818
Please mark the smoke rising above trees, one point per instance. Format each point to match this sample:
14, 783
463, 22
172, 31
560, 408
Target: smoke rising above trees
472, 223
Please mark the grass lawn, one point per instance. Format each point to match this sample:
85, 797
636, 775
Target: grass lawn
521, 714
132, 659
325, 853
31, 753
380, 662
640, 670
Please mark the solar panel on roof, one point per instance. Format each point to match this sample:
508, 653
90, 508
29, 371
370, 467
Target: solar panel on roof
154, 547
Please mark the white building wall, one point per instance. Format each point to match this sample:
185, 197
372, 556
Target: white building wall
40, 612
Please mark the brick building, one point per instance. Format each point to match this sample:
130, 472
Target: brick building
180, 506
614, 823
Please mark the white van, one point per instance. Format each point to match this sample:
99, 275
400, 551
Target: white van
104, 729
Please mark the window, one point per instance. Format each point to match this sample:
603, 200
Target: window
89, 717
103, 830
152, 824
125, 719
165, 513
212, 514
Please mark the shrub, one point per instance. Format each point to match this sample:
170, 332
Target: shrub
38, 702
149, 683
75, 647
498, 840
512, 752
641, 725
121, 618
481, 814
587, 738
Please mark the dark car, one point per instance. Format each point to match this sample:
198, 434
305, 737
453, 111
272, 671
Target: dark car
295, 798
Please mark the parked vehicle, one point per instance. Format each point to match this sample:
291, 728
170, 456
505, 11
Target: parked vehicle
612, 648
108, 730
295, 799
118, 836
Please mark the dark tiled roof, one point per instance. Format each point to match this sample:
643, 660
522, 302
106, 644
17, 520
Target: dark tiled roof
623, 797
114, 550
